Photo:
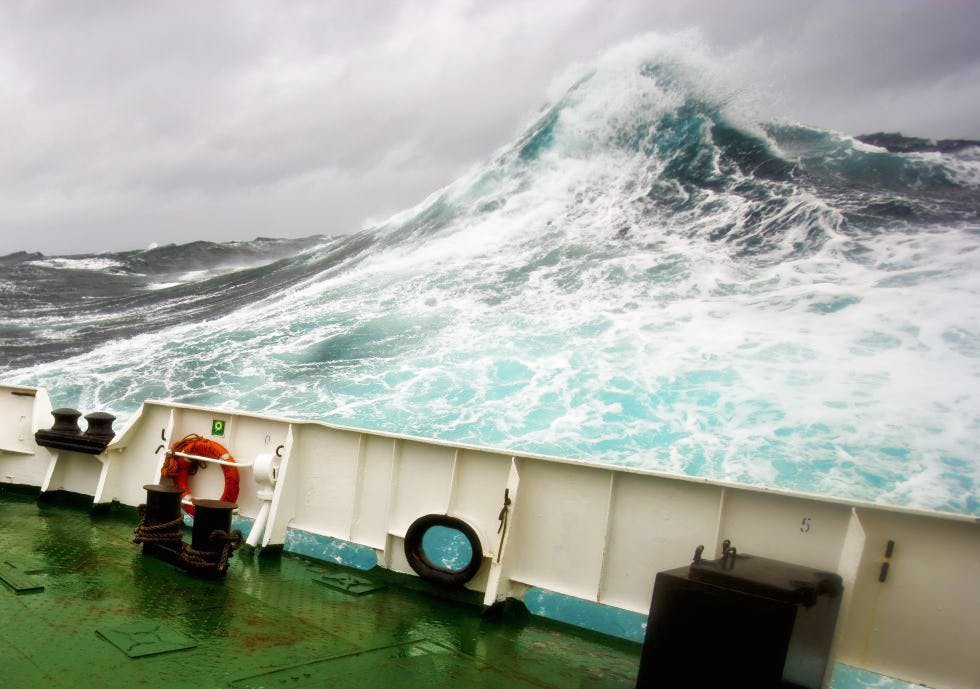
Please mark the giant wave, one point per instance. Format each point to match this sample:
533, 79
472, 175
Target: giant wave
649, 276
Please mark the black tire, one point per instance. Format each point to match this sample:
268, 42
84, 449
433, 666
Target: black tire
424, 567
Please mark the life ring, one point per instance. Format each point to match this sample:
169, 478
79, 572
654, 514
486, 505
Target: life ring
179, 469
424, 567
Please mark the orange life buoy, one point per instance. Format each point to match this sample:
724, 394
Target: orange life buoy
179, 468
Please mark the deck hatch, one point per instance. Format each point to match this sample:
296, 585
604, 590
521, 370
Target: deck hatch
144, 638
17, 578
348, 583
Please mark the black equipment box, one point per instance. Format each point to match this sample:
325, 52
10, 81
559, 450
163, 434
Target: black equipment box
740, 621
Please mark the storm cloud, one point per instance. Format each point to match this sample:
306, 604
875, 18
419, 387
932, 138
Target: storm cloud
128, 123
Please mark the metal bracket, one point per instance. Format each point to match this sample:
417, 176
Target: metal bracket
502, 518
886, 565
211, 460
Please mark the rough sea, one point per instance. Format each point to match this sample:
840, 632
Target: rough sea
652, 275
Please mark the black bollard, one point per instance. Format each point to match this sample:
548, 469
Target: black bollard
212, 540
210, 515
162, 508
66, 421
162, 504
66, 435
100, 426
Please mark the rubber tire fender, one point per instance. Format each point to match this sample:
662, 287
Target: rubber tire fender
424, 567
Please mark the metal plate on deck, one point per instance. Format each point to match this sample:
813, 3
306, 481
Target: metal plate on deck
348, 583
19, 578
412, 664
144, 637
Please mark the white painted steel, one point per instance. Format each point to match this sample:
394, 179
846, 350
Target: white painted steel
22, 412
653, 524
258, 527
284, 495
265, 475
593, 531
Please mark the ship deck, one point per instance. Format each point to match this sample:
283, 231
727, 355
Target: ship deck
109, 617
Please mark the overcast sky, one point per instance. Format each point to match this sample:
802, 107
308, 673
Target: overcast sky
125, 123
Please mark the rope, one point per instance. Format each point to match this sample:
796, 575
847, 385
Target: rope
200, 560
166, 532
205, 560
192, 444
179, 469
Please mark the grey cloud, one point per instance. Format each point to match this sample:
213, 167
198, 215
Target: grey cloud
138, 122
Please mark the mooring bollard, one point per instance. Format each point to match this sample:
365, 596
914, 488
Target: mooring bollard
65, 434
212, 540
159, 529
66, 421
100, 426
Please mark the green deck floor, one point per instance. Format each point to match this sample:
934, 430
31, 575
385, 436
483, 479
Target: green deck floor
272, 623
269, 624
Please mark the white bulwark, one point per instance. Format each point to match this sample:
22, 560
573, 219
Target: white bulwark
596, 532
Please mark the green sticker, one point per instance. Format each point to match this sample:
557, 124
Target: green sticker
217, 427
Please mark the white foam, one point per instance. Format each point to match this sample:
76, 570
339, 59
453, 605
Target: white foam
93, 263
964, 166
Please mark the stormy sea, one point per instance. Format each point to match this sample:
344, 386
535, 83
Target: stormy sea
652, 275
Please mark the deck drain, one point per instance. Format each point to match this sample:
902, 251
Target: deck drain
18, 578
144, 638
348, 583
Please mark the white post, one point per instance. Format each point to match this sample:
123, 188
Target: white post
258, 528
266, 469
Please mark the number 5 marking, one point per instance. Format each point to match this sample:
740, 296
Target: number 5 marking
805, 525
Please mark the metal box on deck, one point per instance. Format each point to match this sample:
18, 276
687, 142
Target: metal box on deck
740, 621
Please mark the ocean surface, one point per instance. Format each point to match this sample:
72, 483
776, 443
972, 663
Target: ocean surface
652, 275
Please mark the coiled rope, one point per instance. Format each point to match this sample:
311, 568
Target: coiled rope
206, 560
166, 532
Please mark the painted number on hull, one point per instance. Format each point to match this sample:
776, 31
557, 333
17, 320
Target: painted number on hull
805, 525
217, 427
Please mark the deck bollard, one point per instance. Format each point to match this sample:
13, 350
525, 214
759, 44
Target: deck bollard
159, 529
65, 434
212, 540
66, 421
100, 426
